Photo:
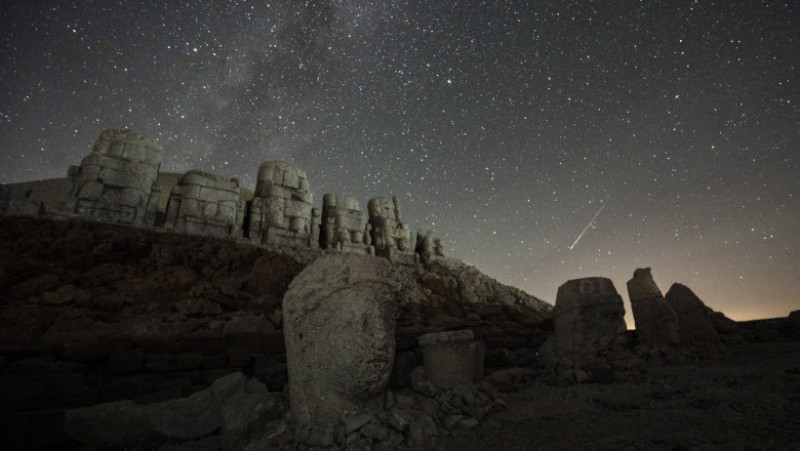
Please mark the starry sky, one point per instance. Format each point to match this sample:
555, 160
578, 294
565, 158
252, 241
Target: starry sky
506, 126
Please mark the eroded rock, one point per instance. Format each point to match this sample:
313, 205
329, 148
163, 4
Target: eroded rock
588, 318
656, 323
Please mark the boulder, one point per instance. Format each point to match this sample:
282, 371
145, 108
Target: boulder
339, 328
656, 323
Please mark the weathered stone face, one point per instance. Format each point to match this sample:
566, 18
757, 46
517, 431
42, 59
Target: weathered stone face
115, 182
588, 316
281, 211
205, 204
339, 321
656, 323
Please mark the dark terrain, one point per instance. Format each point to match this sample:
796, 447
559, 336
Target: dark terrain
93, 313
747, 400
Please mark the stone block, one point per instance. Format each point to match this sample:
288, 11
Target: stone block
452, 358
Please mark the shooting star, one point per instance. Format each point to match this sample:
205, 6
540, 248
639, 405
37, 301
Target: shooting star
587, 226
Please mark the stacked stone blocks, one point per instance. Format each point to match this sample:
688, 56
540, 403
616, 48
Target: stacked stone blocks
281, 211
115, 182
344, 226
205, 204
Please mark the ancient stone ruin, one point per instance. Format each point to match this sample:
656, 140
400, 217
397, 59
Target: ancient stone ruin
281, 211
678, 320
120, 182
115, 182
656, 323
390, 236
345, 226
205, 204
588, 318
339, 321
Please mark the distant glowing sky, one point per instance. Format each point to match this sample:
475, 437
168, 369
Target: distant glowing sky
503, 125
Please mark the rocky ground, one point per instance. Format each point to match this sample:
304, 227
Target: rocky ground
93, 314
747, 400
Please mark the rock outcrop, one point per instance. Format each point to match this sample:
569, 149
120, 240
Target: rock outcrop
339, 326
120, 182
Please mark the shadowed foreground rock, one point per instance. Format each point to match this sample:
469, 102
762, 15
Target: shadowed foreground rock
339, 321
231, 404
656, 323
588, 317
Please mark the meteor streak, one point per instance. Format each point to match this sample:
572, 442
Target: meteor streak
587, 226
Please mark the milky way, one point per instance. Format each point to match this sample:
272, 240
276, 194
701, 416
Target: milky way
503, 125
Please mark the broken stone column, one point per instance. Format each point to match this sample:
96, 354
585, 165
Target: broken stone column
281, 211
656, 323
344, 225
452, 358
390, 236
115, 182
339, 327
588, 316
204, 204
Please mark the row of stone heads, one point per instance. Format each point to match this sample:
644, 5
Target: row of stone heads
122, 174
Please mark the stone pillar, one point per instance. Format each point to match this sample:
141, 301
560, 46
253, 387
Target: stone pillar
339, 327
452, 358
656, 323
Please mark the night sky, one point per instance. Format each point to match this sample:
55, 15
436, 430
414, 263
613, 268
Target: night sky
506, 126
